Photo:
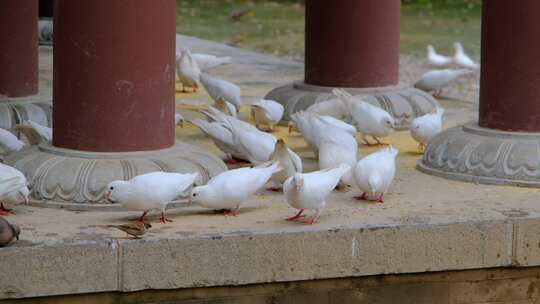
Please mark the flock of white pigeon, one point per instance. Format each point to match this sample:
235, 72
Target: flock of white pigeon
322, 126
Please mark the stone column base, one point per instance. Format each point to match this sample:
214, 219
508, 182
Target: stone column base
399, 101
78, 180
474, 154
16, 110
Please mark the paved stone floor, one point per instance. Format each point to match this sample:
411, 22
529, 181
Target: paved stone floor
426, 223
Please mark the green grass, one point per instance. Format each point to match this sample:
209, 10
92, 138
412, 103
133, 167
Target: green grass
277, 27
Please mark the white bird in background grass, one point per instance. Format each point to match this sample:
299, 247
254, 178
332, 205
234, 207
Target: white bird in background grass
436, 80
311, 190
374, 174
187, 70
151, 191
267, 112
425, 127
288, 160
370, 120
13, 188
463, 60
437, 60
227, 191
222, 89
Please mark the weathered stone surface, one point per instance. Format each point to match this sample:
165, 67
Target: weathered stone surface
474, 154
527, 242
58, 269
74, 178
402, 102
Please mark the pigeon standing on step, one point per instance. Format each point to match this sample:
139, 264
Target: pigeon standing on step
336, 147
436, 80
150, 191
311, 190
179, 119
437, 60
187, 70
222, 89
370, 120
8, 232
374, 174
227, 191
267, 112
13, 188
425, 127
462, 60
288, 160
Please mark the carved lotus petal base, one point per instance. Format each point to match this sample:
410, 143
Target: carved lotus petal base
16, 110
399, 101
474, 154
78, 180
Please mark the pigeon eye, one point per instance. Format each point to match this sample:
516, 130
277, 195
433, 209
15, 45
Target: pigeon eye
111, 188
194, 194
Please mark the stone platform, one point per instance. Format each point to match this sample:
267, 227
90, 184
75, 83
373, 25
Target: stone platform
427, 224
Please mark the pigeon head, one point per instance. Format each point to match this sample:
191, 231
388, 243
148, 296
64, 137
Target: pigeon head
430, 48
201, 194
389, 122
117, 191
280, 145
458, 46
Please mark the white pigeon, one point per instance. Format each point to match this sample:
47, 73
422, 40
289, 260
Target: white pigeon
222, 89
302, 121
225, 107
288, 160
332, 107
13, 188
437, 60
340, 124
268, 112
370, 120
228, 190
179, 119
374, 173
311, 190
435, 80
207, 61
255, 145
425, 127
9, 142
463, 60
187, 70
222, 137
151, 191
336, 147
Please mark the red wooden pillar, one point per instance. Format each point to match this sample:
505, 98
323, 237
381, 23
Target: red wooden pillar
510, 79
503, 147
114, 79
18, 48
352, 43
114, 103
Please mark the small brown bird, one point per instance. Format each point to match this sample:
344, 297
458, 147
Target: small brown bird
8, 232
134, 229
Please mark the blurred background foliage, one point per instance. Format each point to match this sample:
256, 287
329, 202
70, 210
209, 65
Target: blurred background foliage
277, 27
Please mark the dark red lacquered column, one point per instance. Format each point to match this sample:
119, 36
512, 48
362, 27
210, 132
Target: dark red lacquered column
18, 48
352, 43
114, 75
510, 78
